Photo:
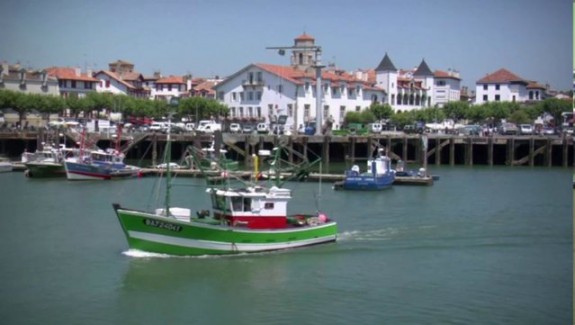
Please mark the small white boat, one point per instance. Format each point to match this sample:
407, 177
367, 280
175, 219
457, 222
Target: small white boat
5, 165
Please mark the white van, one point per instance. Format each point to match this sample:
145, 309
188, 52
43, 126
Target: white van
262, 128
375, 127
210, 128
157, 126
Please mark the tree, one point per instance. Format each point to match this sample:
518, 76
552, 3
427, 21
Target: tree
381, 111
519, 117
456, 110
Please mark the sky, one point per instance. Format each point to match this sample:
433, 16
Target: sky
205, 38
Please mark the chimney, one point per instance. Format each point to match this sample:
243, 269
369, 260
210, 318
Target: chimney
77, 71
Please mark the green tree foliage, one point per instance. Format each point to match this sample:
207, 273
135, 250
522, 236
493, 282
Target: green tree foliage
555, 107
455, 110
381, 111
205, 108
520, 117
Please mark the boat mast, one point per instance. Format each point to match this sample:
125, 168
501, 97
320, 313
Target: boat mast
174, 102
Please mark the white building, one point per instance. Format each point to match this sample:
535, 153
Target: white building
122, 79
261, 92
16, 78
416, 88
503, 85
172, 86
71, 81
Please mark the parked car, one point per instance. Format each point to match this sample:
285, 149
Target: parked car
262, 128
165, 165
508, 129
247, 128
375, 127
210, 128
472, 129
235, 128
548, 130
157, 127
525, 129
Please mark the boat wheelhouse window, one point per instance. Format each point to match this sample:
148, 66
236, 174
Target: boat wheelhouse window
247, 204
218, 202
268, 205
237, 203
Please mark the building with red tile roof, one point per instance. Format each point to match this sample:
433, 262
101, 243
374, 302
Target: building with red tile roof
262, 91
122, 79
168, 87
73, 82
504, 85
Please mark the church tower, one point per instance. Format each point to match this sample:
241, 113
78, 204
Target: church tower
303, 59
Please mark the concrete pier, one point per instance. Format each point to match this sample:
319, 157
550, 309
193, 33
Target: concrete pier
441, 149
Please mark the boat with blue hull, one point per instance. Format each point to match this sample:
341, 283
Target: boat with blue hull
378, 176
99, 164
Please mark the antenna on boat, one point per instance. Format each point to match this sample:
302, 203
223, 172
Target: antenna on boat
319, 188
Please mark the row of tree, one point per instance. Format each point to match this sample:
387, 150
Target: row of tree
94, 103
201, 108
487, 113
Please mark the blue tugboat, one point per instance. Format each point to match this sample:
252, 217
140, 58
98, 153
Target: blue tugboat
378, 176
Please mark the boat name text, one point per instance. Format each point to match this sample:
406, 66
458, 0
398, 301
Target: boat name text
163, 225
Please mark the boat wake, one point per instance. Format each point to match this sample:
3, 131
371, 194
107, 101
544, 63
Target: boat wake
368, 235
141, 254
135, 253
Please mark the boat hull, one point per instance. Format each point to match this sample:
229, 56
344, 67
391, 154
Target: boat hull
38, 170
5, 167
157, 234
367, 183
81, 171
89, 171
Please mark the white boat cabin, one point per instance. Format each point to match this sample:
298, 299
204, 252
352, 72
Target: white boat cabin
252, 207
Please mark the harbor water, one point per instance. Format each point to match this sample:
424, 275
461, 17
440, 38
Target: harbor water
483, 245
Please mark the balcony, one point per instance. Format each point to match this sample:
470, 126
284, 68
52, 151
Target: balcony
252, 83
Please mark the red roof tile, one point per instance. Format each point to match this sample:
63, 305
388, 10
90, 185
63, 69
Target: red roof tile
305, 37
443, 74
66, 73
117, 78
171, 80
535, 85
296, 76
501, 76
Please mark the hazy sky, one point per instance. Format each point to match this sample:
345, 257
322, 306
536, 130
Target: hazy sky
532, 38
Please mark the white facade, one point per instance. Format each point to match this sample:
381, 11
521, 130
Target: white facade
500, 92
503, 85
169, 87
416, 88
446, 90
108, 84
29, 82
263, 92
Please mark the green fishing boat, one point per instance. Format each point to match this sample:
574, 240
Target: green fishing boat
248, 218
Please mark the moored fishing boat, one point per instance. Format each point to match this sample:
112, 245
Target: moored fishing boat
378, 175
5, 165
243, 219
97, 164
48, 162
